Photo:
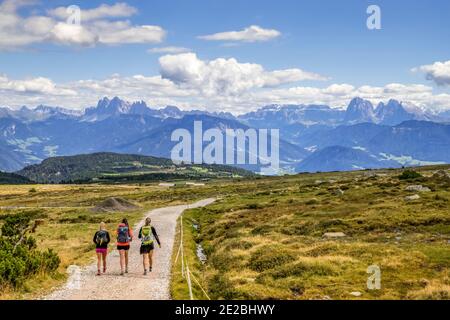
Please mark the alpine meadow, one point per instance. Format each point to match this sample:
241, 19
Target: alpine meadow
224, 159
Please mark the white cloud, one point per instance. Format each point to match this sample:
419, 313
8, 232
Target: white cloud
225, 76
39, 85
215, 85
439, 72
119, 32
103, 11
170, 50
68, 34
250, 34
98, 26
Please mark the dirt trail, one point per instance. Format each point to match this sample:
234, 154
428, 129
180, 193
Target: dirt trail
85, 285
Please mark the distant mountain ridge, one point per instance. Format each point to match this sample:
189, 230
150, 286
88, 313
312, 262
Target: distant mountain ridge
391, 130
12, 178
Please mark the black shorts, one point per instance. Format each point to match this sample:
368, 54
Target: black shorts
147, 248
126, 248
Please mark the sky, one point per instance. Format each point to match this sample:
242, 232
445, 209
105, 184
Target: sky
219, 55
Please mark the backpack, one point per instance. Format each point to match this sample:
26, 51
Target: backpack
146, 235
123, 234
101, 238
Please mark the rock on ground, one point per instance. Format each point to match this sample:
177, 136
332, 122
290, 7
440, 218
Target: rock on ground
334, 235
418, 188
412, 198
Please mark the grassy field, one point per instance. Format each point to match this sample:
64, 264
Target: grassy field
267, 241
69, 224
264, 237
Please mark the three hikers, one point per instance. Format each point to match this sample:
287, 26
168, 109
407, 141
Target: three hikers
124, 233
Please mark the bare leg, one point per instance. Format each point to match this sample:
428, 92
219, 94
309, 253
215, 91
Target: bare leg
99, 262
126, 261
122, 260
150, 258
104, 261
145, 262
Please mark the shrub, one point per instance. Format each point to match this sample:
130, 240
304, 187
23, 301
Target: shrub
302, 268
221, 288
268, 258
409, 175
19, 258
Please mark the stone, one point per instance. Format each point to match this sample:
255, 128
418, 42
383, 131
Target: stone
163, 184
418, 188
412, 198
334, 235
356, 294
338, 192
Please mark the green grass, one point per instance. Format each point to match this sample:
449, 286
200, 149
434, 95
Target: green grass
266, 241
264, 236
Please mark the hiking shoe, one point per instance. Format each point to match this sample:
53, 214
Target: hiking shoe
98, 273
126, 270
150, 269
145, 272
104, 270
122, 273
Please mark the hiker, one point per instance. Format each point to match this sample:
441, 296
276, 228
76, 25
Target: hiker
124, 237
148, 234
101, 240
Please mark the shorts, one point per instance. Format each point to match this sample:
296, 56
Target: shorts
101, 250
147, 248
126, 248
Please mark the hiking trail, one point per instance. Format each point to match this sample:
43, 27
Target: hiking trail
86, 285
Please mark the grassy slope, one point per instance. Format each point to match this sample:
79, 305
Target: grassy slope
266, 242
286, 215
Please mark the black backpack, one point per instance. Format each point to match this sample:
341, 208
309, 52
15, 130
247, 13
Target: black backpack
101, 238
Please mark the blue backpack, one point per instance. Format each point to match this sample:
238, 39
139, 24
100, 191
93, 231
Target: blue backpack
123, 234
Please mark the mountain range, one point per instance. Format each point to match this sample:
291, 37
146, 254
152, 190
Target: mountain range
312, 137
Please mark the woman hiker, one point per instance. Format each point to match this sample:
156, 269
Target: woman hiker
124, 237
101, 240
148, 234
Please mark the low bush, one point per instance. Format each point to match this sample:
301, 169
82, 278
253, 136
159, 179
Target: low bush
409, 175
19, 257
268, 258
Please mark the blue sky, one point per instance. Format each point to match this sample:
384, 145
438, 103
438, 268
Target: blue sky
326, 38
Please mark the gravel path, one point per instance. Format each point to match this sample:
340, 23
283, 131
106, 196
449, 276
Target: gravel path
83, 284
